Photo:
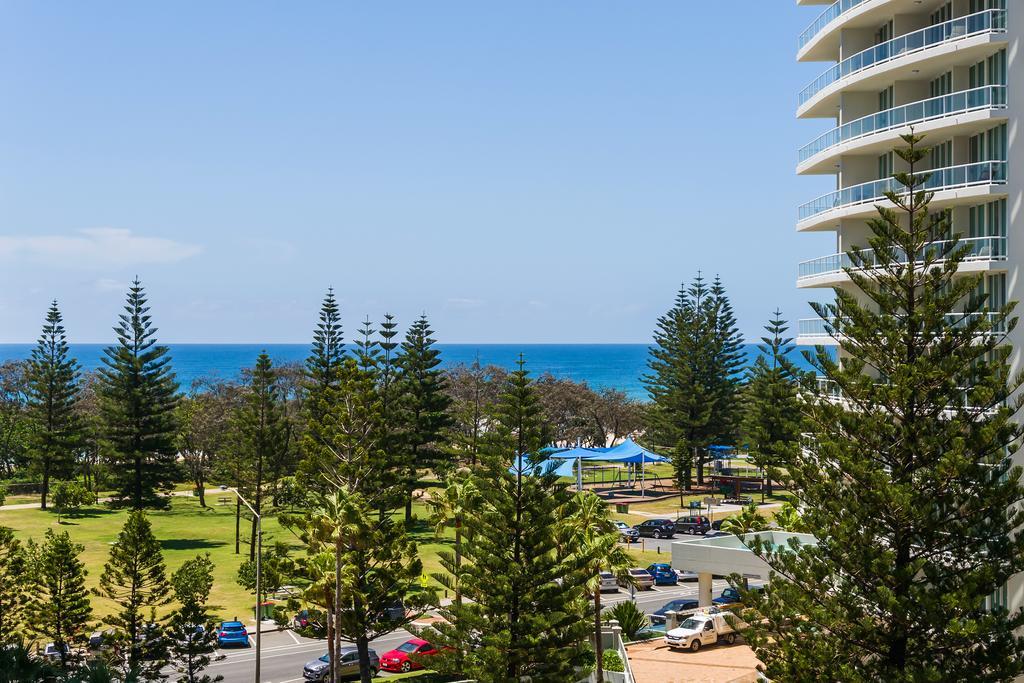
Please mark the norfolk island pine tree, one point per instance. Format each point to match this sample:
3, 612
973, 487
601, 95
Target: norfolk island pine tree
907, 481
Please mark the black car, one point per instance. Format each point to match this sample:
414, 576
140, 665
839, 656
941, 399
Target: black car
657, 528
680, 605
717, 525
693, 525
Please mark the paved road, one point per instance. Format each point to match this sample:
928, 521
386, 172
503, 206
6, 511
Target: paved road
285, 653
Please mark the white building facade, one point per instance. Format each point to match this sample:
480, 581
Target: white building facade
952, 69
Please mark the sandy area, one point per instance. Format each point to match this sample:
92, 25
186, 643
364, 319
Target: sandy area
654, 662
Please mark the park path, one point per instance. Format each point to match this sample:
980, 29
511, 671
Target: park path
31, 506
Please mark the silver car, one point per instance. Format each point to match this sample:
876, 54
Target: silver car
642, 579
348, 665
608, 582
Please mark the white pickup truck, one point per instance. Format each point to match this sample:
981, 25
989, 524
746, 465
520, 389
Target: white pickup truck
703, 628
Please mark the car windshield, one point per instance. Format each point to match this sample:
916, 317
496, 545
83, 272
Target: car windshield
691, 624
407, 647
236, 628
637, 572
326, 659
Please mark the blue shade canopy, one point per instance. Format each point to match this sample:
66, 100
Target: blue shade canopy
565, 469
630, 452
528, 467
580, 454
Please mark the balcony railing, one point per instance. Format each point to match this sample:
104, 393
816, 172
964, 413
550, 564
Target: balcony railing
987, 97
949, 178
993, 20
980, 249
830, 390
830, 14
817, 327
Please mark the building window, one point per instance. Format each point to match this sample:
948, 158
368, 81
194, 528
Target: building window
988, 146
884, 33
991, 71
943, 14
943, 85
942, 154
885, 99
885, 166
988, 220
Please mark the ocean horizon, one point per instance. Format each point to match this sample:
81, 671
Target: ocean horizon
616, 366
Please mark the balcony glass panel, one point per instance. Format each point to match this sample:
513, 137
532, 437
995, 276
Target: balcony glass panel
830, 14
979, 249
987, 97
951, 177
817, 327
993, 20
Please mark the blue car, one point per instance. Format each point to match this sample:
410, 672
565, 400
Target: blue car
682, 604
663, 574
731, 596
232, 633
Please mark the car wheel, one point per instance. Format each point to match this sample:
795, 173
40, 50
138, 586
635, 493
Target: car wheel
694, 646
730, 639
406, 667
373, 672
657, 534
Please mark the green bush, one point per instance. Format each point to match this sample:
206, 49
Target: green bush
70, 496
630, 618
612, 661
281, 616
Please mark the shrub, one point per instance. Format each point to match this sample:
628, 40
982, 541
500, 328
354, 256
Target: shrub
630, 618
69, 496
281, 616
612, 661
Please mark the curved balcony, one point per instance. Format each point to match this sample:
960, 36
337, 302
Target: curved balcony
831, 13
949, 178
821, 331
833, 267
988, 21
915, 113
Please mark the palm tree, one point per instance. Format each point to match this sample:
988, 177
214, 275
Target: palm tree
788, 518
747, 521
590, 532
451, 506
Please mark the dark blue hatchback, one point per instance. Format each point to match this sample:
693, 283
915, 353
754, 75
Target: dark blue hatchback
663, 574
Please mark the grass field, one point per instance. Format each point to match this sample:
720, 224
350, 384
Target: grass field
187, 529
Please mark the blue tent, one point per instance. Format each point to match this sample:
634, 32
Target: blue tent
528, 467
579, 453
631, 453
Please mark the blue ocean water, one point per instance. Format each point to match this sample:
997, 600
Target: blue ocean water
619, 366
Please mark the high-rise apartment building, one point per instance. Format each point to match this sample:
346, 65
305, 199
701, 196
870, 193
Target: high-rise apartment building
952, 69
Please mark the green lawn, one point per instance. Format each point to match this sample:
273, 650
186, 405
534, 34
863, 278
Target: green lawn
184, 531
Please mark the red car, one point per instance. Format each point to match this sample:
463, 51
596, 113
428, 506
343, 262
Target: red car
397, 660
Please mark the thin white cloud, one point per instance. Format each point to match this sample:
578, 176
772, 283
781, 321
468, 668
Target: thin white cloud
95, 247
464, 303
106, 284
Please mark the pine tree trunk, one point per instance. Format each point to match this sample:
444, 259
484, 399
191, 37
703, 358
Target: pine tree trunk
46, 483
598, 644
238, 521
337, 592
138, 483
363, 646
331, 650
458, 561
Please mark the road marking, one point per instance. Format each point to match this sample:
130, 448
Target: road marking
252, 642
297, 642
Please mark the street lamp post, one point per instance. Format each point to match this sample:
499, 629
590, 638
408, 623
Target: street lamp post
259, 578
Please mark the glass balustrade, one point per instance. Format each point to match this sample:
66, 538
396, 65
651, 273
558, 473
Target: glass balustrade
955, 29
831, 13
818, 327
987, 97
978, 249
951, 177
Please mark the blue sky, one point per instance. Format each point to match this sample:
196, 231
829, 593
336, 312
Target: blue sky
522, 172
